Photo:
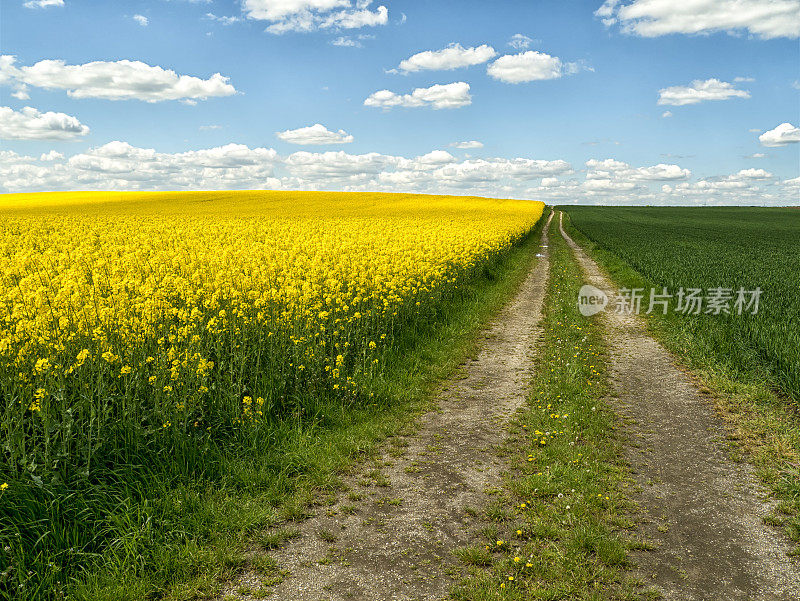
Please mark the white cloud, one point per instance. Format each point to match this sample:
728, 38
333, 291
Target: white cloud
222, 20
43, 3
661, 172
141, 20
784, 134
796, 84
467, 145
666, 114
452, 57
488, 170
651, 18
117, 80
316, 134
439, 96
756, 155
311, 15
744, 79
352, 41
346, 42
209, 127
700, 91
120, 166
792, 186
529, 66
753, 174
21, 92
520, 42
432, 160
618, 171
316, 168
30, 124
274, 10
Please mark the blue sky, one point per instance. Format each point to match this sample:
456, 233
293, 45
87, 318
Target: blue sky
584, 125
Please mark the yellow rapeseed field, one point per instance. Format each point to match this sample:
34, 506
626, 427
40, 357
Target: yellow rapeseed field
176, 314
157, 346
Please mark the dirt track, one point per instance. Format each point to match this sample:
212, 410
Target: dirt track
704, 511
396, 541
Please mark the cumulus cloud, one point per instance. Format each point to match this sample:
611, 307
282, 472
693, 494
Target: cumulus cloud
435, 158
120, 166
453, 56
467, 145
529, 66
666, 114
141, 20
310, 15
43, 3
31, 124
113, 80
652, 18
618, 171
520, 42
753, 174
784, 134
51, 156
439, 96
700, 91
316, 134
792, 187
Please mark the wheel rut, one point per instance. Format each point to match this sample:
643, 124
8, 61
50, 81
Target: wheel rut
392, 537
703, 511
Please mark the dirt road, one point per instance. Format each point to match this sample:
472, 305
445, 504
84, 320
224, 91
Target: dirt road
392, 537
705, 511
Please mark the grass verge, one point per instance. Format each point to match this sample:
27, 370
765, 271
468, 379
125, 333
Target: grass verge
557, 528
180, 542
763, 426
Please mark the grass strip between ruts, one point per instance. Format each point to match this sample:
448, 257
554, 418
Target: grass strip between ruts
556, 529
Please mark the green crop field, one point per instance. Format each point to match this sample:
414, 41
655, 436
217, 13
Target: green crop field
718, 247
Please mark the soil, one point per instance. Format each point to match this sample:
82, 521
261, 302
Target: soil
704, 512
393, 535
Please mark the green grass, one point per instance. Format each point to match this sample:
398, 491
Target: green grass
179, 537
712, 247
558, 528
750, 367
